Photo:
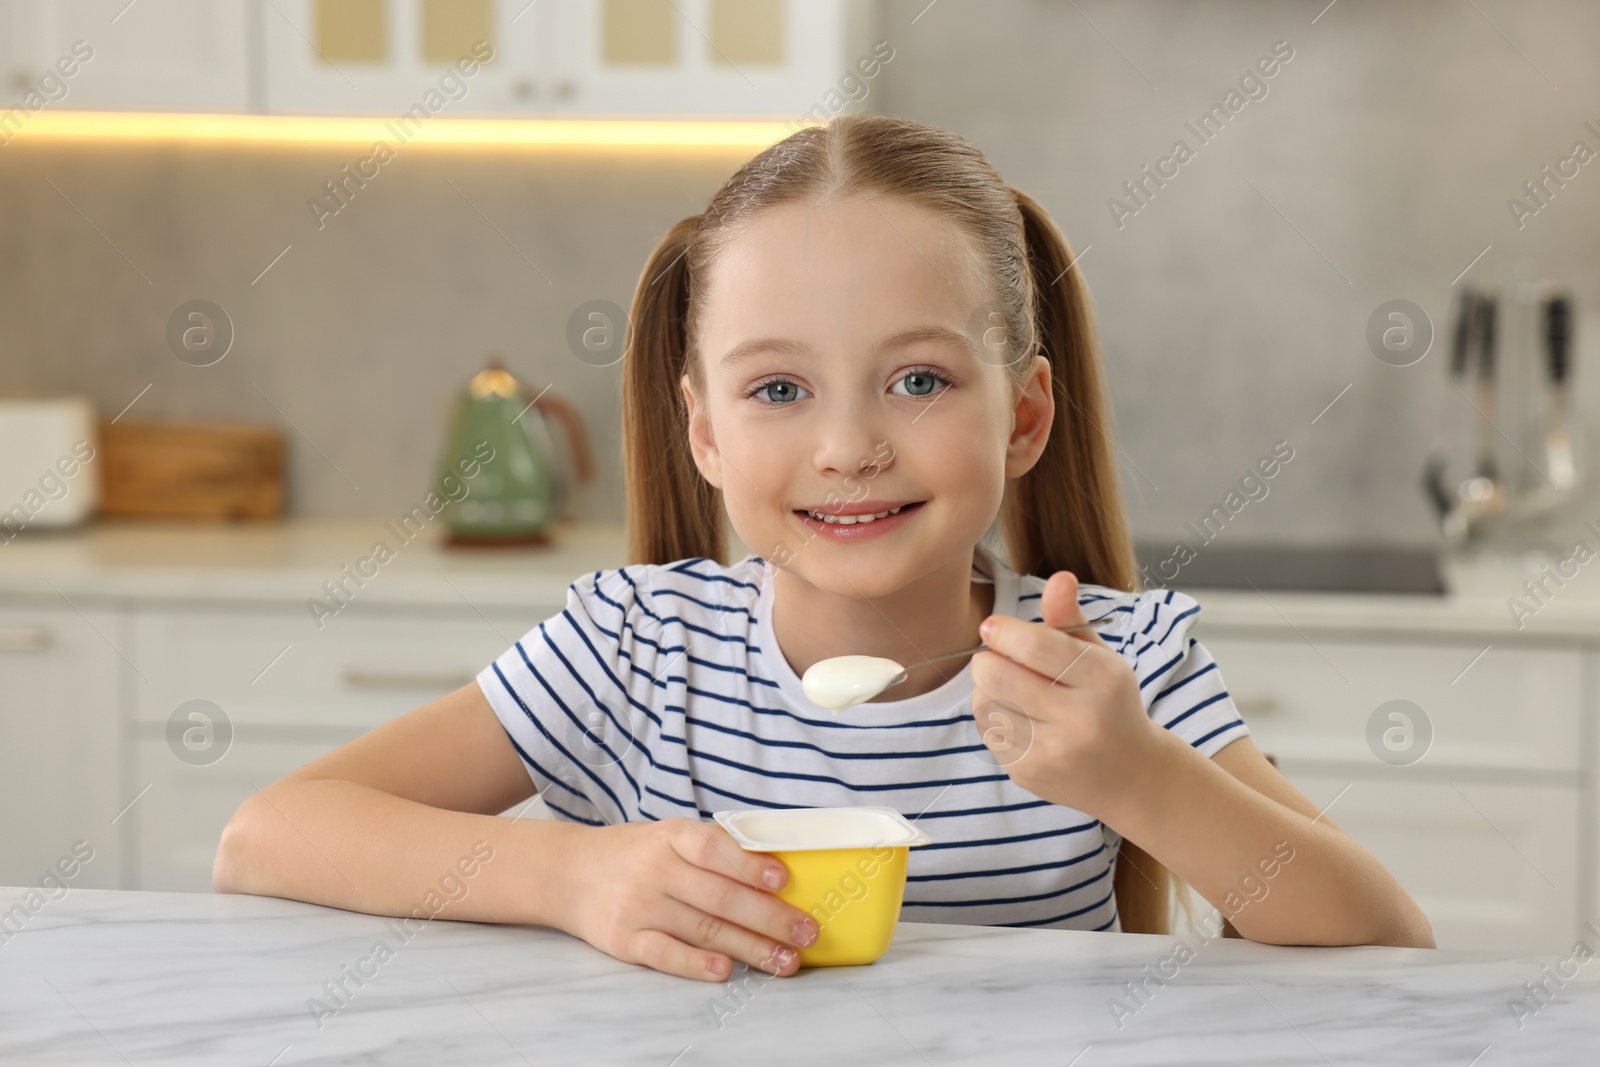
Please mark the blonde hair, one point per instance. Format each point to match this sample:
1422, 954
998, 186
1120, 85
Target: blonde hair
1064, 514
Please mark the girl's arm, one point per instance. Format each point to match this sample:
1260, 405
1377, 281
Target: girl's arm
402, 821
1220, 823
1230, 825
393, 821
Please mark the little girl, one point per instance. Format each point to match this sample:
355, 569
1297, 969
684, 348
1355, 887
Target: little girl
868, 355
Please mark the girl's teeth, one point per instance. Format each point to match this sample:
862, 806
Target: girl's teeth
851, 520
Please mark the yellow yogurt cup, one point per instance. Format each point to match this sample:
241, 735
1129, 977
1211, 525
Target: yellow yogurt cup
847, 870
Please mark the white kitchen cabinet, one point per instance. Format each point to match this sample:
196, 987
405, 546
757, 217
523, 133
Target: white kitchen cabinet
709, 57
272, 666
1516, 707
1485, 828
569, 57
179, 820
783, 58
385, 57
1494, 867
289, 692
150, 55
60, 742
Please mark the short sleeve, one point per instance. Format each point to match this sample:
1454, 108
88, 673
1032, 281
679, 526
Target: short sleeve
1180, 683
565, 694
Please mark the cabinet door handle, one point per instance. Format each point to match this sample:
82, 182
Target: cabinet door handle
1257, 706
24, 639
356, 678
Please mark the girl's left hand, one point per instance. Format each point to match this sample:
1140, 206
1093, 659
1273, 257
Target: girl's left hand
1061, 713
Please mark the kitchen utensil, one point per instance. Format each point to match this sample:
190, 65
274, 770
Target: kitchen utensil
49, 476
1447, 500
1557, 443
1486, 490
847, 870
903, 675
176, 470
1483, 494
1461, 340
521, 489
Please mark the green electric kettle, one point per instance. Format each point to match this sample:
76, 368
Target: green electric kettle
517, 480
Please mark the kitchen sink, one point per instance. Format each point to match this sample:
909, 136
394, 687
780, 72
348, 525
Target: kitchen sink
1323, 569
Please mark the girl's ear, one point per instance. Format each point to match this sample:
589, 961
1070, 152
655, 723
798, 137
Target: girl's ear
702, 443
1034, 414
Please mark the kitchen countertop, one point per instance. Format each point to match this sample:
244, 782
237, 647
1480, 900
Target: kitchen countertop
174, 978
287, 562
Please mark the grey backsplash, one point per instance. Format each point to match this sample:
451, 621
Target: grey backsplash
1232, 306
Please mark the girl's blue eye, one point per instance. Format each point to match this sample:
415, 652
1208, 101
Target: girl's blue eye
925, 377
774, 383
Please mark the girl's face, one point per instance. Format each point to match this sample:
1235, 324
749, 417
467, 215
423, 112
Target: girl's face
838, 371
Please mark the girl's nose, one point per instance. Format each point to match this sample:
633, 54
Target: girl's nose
852, 443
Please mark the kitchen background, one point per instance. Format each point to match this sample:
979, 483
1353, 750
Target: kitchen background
1232, 307
154, 673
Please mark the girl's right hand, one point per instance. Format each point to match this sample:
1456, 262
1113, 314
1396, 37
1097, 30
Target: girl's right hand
681, 896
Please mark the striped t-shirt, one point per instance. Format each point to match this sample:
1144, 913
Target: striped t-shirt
660, 691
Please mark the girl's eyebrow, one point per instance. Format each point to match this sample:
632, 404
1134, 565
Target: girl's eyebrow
745, 350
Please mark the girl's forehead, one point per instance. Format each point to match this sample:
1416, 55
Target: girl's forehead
850, 264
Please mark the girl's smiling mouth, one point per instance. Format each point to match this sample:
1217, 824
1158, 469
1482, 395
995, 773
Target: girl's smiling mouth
859, 520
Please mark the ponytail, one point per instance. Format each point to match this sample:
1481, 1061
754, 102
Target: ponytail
1065, 514
673, 513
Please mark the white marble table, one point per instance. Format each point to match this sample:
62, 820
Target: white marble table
106, 977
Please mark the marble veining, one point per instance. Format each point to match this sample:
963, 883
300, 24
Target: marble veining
180, 978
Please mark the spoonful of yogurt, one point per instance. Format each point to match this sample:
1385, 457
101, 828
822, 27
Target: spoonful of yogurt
844, 681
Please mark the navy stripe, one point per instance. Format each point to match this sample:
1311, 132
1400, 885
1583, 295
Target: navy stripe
1197, 742
583, 729
556, 744
552, 779
662, 620
703, 603
600, 662
1009, 900
571, 817
935, 845
653, 791
889, 755
1186, 679
827, 724
1204, 703
1176, 619
1060, 918
1004, 870
682, 568
994, 810
1163, 669
796, 776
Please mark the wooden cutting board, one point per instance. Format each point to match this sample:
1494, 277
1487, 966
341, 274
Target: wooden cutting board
191, 470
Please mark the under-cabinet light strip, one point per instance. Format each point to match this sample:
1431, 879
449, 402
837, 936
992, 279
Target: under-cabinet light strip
20, 126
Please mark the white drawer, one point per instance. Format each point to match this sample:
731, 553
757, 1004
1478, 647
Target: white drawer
273, 667
177, 822
59, 742
1493, 867
1516, 707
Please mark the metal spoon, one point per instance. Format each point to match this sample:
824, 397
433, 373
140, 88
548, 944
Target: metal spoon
897, 679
